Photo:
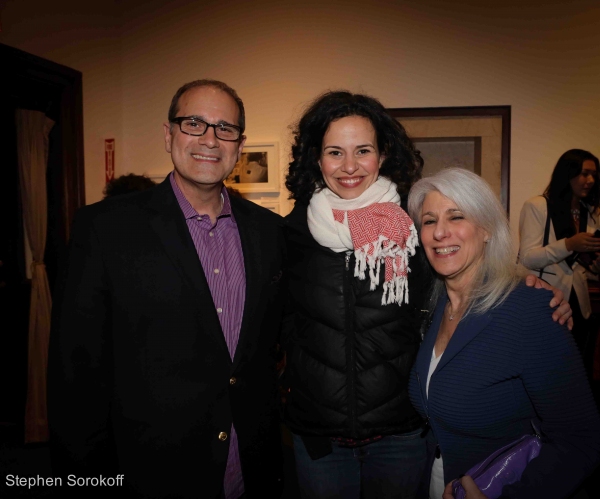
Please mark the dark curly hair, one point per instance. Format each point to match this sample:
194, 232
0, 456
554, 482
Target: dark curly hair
402, 164
560, 194
126, 184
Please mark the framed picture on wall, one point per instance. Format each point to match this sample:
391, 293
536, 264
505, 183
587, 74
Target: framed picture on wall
257, 170
268, 202
476, 138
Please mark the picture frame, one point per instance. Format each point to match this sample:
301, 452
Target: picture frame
257, 170
269, 203
474, 137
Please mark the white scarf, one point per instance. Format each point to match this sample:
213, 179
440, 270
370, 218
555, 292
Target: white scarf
391, 235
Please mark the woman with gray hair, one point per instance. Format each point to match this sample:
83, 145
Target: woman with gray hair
493, 363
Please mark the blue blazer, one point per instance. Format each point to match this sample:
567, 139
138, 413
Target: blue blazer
500, 371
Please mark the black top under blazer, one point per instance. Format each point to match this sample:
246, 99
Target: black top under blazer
140, 379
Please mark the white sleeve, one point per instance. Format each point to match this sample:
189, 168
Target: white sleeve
531, 234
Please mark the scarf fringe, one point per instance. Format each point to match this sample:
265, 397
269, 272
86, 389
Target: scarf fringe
396, 290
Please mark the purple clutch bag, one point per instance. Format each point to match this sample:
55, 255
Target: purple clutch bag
503, 467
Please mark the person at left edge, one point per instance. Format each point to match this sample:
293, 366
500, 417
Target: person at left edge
163, 345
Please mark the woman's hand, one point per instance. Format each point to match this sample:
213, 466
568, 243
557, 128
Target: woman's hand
472, 491
583, 242
563, 313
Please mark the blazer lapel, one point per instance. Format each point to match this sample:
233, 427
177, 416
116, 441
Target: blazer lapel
170, 226
425, 350
249, 231
466, 331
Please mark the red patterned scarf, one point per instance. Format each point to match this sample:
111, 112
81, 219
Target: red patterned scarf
379, 232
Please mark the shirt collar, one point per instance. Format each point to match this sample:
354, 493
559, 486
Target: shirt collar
189, 211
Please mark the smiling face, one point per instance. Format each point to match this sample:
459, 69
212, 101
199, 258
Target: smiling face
203, 161
582, 184
350, 159
454, 246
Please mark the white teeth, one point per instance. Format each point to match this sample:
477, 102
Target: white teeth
350, 181
446, 251
205, 158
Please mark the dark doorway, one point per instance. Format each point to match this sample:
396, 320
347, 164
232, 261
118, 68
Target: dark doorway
30, 82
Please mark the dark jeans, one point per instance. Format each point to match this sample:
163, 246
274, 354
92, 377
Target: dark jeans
389, 468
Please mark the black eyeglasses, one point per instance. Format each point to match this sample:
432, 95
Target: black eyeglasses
197, 127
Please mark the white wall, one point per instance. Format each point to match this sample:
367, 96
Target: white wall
542, 58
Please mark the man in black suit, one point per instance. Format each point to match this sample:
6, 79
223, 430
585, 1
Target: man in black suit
163, 347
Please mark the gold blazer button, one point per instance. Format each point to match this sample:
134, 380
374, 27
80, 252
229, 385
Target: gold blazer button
232, 380
222, 436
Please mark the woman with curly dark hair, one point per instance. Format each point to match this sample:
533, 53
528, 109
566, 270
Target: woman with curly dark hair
401, 162
358, 285
351, 336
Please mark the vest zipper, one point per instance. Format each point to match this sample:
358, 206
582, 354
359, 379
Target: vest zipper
350, 355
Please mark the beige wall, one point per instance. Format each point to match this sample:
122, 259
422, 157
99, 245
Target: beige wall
85, 38
542, 58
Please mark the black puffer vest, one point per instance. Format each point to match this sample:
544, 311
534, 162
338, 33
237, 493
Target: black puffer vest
348, 356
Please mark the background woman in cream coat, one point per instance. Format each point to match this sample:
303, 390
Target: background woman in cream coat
571, 201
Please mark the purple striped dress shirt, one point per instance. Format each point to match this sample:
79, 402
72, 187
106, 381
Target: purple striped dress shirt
220, 251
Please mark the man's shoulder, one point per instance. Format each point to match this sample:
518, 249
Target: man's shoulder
250, 208
298, 215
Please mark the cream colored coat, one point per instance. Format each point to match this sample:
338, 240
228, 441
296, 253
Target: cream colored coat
551, 258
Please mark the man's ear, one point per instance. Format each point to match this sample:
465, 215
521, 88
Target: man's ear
241, 147
168, 136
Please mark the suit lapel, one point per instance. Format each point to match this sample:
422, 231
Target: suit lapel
249, 231
169, 224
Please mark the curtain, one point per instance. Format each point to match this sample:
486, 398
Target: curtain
33, 128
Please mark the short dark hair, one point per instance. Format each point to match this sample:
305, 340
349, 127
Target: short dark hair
174, 108
402, 164
126, 184
560, 194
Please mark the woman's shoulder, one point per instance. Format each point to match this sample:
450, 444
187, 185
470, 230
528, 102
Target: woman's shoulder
524, 299
538, 202
525, 319
526, 314
297, 215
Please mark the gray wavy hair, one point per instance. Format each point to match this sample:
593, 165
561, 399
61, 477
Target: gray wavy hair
498, 274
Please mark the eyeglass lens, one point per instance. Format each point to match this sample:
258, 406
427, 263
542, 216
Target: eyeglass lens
198, 127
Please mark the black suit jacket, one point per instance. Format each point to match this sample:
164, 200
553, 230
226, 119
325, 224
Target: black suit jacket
140, 379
